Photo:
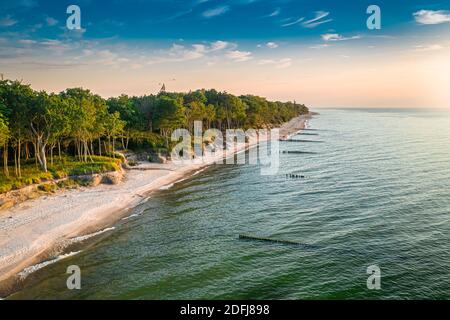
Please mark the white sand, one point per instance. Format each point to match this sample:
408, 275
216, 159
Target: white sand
30, 230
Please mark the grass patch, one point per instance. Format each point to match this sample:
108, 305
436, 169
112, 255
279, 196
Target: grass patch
48, 187
67, 166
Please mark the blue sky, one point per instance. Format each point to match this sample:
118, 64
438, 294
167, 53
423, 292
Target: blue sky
210, 43
212, 19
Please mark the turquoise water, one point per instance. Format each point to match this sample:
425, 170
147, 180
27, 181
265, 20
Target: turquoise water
376, 193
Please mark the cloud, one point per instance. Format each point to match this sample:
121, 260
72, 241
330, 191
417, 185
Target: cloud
27, 41
239, 56
180, 53
271, 45
275, 13
337, 37
51, 21
280, 64
293, 23
216, 12
176, 16
320, 46
73, 34
311, 23
430, 47
7, 21
431, 17
316, 20
57, 46
220, 45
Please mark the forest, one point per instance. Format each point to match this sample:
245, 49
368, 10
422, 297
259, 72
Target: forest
42, 131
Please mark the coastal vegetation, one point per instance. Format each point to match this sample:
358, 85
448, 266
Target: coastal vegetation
48, 135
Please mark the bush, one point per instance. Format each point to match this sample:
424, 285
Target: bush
132, 163
48, 187
17, 185
5, 188
68, 183
35, 180
67, 166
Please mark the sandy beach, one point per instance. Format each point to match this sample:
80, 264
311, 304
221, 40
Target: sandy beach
36, 230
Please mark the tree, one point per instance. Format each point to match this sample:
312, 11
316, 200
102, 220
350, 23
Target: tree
59, 113
146, 106
169, 115
210, 113
44, 121
4, 136
128, 112
113, 128
231, 109
87, 114
195, 111
17, 99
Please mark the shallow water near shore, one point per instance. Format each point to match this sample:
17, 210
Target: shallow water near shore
376, 191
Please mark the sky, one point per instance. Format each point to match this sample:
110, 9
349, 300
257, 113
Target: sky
317, 52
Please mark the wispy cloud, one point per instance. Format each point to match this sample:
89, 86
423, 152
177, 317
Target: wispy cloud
320, 46
181, 53
177, 15
430, 47
311, 23
210, 13
431, 17
7, 21
280, 64
271, 45
239, 56
27, 41
317, 20
72, 34
288, 24
275, 13
337, 37
67, 54
220, 45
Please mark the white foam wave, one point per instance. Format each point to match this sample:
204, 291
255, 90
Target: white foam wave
198, 171
88, 236
167, 187
29, 270
132, 216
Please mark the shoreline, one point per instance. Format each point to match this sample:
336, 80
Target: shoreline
34, 231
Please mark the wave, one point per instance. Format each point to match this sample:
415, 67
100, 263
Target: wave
199, 171
29, 270
132, 216
88, 236
167, 187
